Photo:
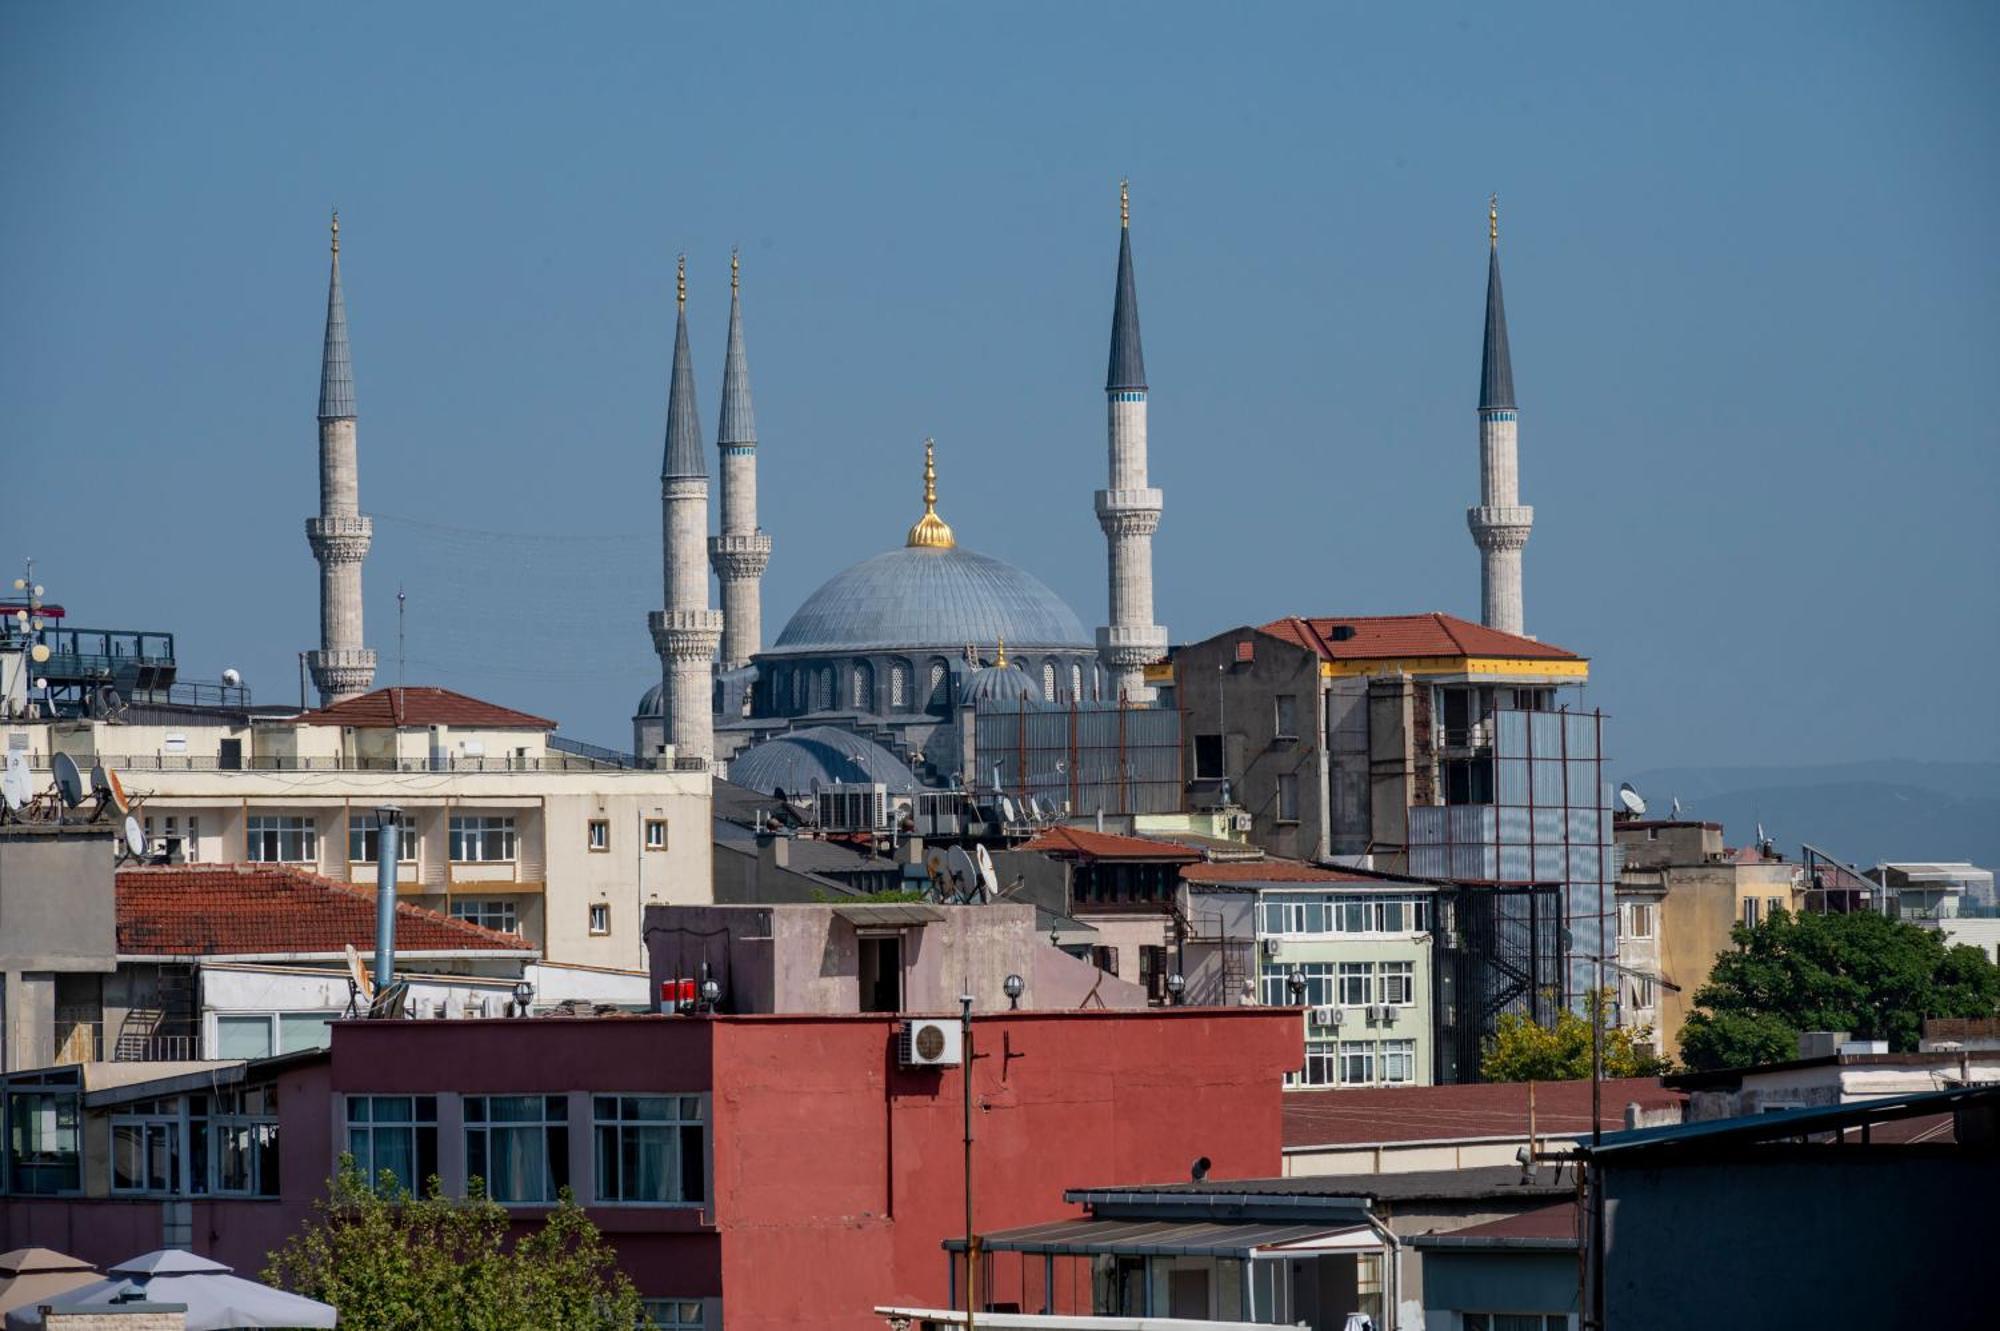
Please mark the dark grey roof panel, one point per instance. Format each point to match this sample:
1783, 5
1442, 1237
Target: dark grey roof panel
739, 422
1496, 365
1128, 361
336, 371
801, 761
1142, 1238
684, 456
924, 597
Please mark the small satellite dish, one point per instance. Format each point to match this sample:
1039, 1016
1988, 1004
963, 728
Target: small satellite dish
1008, 813
935, 866
69, 780
1634, 802
1677, 806
987, 881
135, 838
1762, 840
233, 677
964, 873
113, 791
359, 974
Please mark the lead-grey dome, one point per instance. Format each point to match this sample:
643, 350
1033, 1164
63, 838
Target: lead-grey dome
1001, 683
800, 761
926, 597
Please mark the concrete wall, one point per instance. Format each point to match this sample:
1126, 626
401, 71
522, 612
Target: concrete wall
58, 916
1519, 1281
1807, 1236
1220, 695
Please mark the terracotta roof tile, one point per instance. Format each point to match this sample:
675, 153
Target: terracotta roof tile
1385, 637
1440, 1113
1089, 845
267, 909
424, 706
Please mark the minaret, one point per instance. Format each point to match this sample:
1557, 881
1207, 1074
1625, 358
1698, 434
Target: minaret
686, 633
741, 553
340, 535
1501, 521
1128, 510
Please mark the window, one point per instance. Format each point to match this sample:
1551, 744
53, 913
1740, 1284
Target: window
1287, 718
1288, 797
1277, 989
600, 835
478, 838
1075, 682
362, 837
863, 688
1639, 991
671, 1315
1750, 911
879, 974
243, 1037
937, 694
43, 1142
649, 1148
161, 842
1321, 1066
396, 1133
282, 840
1357, 1062
656, 834
899, 686
600, 918
1772, 905
1105, 959
491, 914
243, 1130
1514, 1321
1639, 920
1208, 757
1399, 983
262, 1034
1356, 983
1399, 1062
146, 1148
518, 1144
1049, 680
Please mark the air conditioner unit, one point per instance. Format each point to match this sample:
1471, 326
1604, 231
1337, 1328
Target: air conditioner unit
1326, 1015
1388, 1015
930, 1042
1273, 947
1377, 1013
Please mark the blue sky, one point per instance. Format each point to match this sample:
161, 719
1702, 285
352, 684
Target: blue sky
1751, 278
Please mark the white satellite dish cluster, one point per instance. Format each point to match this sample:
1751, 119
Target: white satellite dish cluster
962, 879
69, 788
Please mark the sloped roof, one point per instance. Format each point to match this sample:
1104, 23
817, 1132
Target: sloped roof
1366, 1115
190, 910
1385, 637
1085, 844
423, 706
1272, 871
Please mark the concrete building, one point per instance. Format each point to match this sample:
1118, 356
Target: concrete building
797, 1145
1932, 891
1680, 892
506, 828
1124, 889
741, 551
1128, 509
58, 929
1500, 522
344, 666
1833, 1070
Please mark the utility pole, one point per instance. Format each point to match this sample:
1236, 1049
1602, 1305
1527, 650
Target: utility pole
971, 1239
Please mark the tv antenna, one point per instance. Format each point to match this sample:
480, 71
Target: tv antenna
402, 603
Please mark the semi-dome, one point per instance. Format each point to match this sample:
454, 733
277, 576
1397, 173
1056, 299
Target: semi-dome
926, 596
799, 761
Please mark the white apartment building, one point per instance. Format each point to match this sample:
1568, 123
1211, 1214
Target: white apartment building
503, 827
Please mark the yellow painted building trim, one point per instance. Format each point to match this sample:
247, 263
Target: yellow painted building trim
1459, 665
1160, 672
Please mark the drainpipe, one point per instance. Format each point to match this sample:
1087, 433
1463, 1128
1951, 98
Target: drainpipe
1392, 1274
388, 849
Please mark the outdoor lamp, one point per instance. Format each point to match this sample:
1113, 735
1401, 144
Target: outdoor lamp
1014, 985
1176, 986
524, 993
711, 991
1295, 982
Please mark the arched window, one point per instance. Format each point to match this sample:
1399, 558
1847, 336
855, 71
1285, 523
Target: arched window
1049, 680
899, 686
1075, 682
936, 695
822, 689
798, 688
864, 687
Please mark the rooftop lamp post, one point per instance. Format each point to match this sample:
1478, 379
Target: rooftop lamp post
1014, 985
1176, 988
1295, 985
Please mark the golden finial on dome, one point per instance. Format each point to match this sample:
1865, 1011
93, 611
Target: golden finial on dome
1493, 221
1000, 660
930, 532
336, 231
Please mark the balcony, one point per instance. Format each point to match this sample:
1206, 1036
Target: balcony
81, 1040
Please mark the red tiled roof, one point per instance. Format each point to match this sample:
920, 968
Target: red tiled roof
1547, 1222
268, 909
424, 706
1269, 871
1389, 636
1089, 845
1366, 1115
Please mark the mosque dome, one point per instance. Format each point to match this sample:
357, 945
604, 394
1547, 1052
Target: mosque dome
649, 703
794, 761
1000, 682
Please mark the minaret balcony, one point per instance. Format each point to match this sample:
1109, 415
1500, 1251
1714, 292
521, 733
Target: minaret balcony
343, 540
740, 555
1129, 501
1129, 646
1500, 526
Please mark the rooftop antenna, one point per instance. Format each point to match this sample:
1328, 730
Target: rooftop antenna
1677, 808
402, 603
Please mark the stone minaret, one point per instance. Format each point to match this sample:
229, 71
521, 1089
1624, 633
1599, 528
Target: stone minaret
741, 553
686, 633
1128, 510
340, 535
1501, 521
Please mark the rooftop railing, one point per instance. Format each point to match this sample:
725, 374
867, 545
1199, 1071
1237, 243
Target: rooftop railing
264, 762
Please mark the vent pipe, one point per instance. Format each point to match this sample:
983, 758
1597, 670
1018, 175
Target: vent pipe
388, 850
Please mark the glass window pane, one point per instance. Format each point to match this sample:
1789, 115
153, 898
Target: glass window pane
303, 1030
243, 1037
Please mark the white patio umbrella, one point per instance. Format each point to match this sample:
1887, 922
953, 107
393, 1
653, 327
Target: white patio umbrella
216, 1299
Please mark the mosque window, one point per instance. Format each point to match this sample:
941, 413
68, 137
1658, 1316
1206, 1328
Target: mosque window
1075, 682
864, 687
822, 689
797, 685
1049, 680
938, 672
899, 686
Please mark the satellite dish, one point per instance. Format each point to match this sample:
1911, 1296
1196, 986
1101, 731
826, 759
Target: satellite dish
69, 780
964, 873
987, 881
359, 974
233, 677
1677, 806
1635, 804
934, 865
1008, 813
113, 791
135, 838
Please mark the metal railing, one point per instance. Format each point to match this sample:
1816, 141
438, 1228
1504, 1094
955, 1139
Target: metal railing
83, 1042
597, 753
264, 762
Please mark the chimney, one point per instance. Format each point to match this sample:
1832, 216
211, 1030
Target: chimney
388, 850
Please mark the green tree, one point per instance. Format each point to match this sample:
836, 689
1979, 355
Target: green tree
1863, 973
391, 1261
1522, 1049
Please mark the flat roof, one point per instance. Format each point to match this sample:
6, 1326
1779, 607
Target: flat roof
1486, 1182
1786, 1123
1373, 1116
1166, 1238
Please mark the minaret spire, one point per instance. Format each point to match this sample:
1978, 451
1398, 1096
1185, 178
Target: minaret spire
341, 534
685, 634
1500, 522
1128, 509
742, 551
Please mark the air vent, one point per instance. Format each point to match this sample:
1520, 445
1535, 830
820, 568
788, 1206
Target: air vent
1341, 632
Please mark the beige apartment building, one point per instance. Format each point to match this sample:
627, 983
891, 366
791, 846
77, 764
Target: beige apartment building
503, 827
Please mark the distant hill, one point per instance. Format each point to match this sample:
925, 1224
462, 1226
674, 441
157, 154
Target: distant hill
1861, 812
